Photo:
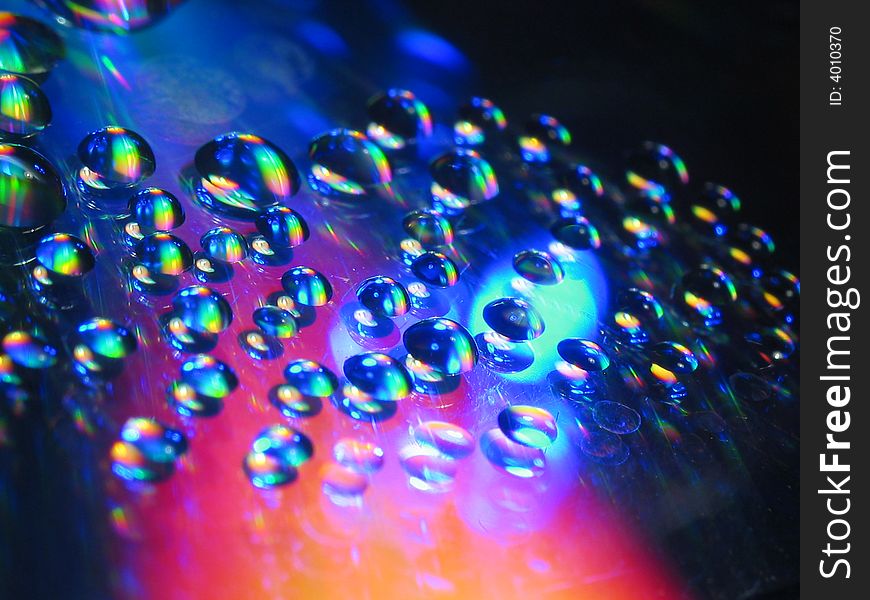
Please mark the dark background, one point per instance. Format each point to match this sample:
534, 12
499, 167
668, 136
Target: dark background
716, 81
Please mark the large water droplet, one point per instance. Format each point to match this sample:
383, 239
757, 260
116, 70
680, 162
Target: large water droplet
307, 286
224, 245
33, 194
28, 47
346, 163
118, 16
528, 425
503, 355
515, 319
100, 345
398, 118
378, 375
441, 344
243, 174
24, 108
461, 178
115, 158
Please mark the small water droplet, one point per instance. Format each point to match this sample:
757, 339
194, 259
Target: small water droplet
311, 378
448, 439
25, 111
224, 245
478, 121
538, 267
378, 375
656, 171
515, 459
436, 269
307, 286
164, 254
282, 227
542, 136
513, 318
344, 163
576, 232
153, 209
202, 309
383, 296
429, 228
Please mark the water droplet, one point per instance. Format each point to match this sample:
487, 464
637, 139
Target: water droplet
275, 321
604, 447
749, 387
100, 345
39, 195
188, 403
503, 355
461, 178
670, 359
441, 344
157, 442
704, 292
307, 286
28, 47
202, 309
361, 407
584, 354
64, 254
114, 16
528, 425
479, 119
311, 378
29, 349
225, 245
642, 305
25, 108
208, 376
428, 470
397, 118
378, 375
512, 458
267, 470
243, 174
772, 343
713, 209
294, 404
153, 209
583, 187
115, 158
615, 417
131, 464
163, 253
656, 171
448, 439
383, 296
576, 232
209, 270
542, 136
346, 163
282, 227
359, 455
538, 267
749, 245
435, 269
290, 445
515, 319
342, 485
428, 227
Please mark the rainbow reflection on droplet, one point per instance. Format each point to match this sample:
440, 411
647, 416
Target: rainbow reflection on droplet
543, 134
154, 209
441, 344
307, 286
515, 319
461, 178
378, 375
202, 309
346, 163
397, 118
507, 455
436, 269
65, 254
448, 439
24, 108
114, 157
383, 296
